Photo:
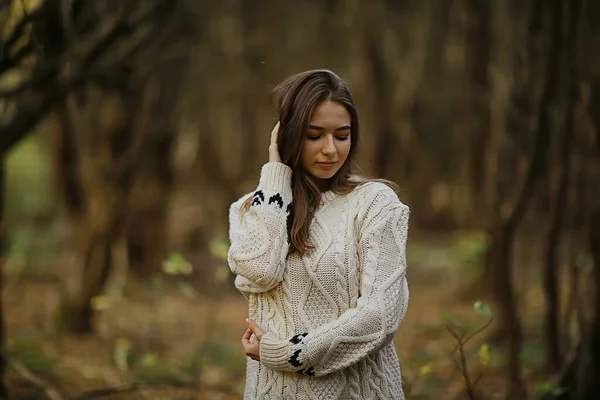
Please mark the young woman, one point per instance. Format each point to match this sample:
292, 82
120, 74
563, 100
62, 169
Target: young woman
320, 255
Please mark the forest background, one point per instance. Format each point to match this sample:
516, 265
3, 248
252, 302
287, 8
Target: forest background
127, 127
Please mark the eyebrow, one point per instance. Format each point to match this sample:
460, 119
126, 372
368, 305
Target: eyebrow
320, 128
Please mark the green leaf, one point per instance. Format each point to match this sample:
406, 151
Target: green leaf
482, 308
451, 320
484, 354
176, 264
176, 258
149, 360
425, 370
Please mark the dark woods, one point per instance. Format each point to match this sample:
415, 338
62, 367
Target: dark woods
487, 113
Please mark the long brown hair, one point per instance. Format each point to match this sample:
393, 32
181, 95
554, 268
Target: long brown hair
296, 98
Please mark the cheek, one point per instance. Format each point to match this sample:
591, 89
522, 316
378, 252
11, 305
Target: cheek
344, 149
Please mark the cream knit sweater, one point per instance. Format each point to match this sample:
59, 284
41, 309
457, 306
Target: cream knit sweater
331, 315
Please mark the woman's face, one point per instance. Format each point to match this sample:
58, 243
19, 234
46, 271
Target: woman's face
327, 142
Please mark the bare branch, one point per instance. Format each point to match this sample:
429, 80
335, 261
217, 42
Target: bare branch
456, 335
32, 38
470, 336
56, 78
36, 82
7, 62
454, 360
30, 112
477, 381
461, 340
140, 41
463, 362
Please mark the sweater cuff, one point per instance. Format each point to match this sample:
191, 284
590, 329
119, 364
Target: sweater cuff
274, 352
276, 177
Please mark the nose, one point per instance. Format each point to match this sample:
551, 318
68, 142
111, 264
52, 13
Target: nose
328, 146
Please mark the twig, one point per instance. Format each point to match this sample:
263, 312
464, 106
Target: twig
32, 37
480, 329
51, 392
454, 333
455, 361
6, 62
461, 340
463, 361
477, 380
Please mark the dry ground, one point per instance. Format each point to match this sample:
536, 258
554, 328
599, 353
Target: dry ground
173, 343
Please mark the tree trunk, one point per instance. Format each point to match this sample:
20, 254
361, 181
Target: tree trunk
78, 312
590, 357
559, 202
499, 263
382, 79
3, 390
472, 124
511, 209
551, 254
93, 134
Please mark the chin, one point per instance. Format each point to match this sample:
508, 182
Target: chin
323, 174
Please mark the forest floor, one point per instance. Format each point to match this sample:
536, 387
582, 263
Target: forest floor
170, 342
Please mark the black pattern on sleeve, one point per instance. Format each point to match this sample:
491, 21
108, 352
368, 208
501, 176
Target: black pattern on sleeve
276, 198
258, 198
295, 358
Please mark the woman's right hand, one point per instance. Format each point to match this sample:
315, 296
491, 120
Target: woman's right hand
273, 148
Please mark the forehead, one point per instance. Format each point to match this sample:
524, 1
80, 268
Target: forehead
330, 112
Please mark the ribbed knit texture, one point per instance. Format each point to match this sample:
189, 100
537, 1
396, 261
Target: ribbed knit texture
330, 315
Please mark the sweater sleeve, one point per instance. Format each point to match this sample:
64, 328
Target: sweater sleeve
258, 237
383, 300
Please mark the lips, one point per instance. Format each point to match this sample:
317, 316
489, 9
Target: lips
326, 164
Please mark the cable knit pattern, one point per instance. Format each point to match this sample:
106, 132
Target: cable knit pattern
330, 315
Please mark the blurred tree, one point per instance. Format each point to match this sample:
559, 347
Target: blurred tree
469, 105
15, 121
506, 211
101, 68
471, 130
115, 136
559, 173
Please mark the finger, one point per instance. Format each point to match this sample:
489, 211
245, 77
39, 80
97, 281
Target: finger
246, 337
255, 328
274, 133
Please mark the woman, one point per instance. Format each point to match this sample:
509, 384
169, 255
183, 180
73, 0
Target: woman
320, 255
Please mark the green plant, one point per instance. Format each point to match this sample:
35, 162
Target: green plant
462, 337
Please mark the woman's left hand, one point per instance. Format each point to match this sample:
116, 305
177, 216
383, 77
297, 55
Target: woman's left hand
252, 349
